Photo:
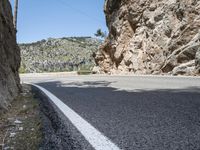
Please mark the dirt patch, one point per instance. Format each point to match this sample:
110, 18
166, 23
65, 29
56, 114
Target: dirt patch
21, 126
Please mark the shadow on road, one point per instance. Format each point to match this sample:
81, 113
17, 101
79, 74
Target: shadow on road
141, 119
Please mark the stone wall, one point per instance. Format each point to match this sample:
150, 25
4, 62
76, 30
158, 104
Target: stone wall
9, 56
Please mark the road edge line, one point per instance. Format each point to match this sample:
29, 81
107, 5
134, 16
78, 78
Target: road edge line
97, 140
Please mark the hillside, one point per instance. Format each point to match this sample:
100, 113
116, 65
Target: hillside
151, 37
62, 54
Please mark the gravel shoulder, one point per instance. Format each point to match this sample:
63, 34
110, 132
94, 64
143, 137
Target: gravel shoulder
21, 125
33, 122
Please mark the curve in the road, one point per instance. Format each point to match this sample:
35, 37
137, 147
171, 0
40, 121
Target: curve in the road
91, 134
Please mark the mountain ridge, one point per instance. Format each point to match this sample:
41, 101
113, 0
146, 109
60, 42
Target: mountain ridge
58, 54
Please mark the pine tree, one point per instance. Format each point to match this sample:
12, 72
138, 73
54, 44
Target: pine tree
101, 34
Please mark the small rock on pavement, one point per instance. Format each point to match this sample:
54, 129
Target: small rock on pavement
24, 94
21, 128
17, 122
6, 148
10, 119
12, 135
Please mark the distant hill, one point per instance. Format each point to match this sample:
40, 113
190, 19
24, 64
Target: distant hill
55, 55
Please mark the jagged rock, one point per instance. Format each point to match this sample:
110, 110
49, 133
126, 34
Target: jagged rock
62, 54
9, 56
96, 70
197, 62
185, 68
149, 36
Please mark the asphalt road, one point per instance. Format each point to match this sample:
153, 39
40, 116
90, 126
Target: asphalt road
134, 112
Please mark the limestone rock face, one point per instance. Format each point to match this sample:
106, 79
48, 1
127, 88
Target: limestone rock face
9, 56
150, 36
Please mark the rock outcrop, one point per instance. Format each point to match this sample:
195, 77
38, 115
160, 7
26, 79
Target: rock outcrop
61, 54
197, 61
151, 37
9, 56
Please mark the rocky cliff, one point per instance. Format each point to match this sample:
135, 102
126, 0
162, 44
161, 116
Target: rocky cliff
9, 56
61, 54
151, 37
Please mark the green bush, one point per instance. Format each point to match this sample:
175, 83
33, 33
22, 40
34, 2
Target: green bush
22, 69
84, 72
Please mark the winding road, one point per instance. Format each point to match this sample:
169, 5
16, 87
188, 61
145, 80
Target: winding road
129, 112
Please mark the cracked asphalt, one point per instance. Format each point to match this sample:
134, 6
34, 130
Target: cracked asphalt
134, 112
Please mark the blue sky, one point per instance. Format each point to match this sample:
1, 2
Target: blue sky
40, 19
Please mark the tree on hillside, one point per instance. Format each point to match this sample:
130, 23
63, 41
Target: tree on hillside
100, 34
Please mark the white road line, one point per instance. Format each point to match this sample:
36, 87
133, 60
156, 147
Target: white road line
91, 134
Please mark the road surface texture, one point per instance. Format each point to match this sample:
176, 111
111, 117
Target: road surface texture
134, 112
